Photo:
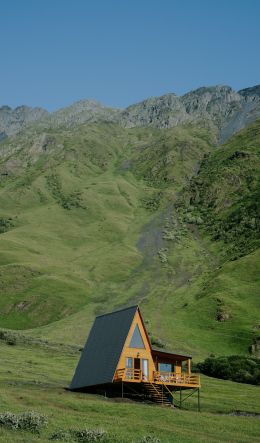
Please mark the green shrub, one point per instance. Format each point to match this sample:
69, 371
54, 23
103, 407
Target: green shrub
169, 234
81, 435
32, 421
11, 341
157, 342
162, 253
193, 219
61, 435
237, 368
152, 203
67, 201
9, 420
28, 421
5, 224
149, 439
8, 337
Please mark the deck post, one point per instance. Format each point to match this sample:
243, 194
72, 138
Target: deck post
122, 389
180, 397
198, 399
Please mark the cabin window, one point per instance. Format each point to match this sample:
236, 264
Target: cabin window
165, 367
129, 362
137, 341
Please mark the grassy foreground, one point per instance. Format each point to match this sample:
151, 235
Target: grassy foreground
33, 378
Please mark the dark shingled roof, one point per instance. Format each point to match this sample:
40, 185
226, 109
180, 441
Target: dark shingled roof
102, 351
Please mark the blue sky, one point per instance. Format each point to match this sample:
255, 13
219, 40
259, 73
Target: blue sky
54, 52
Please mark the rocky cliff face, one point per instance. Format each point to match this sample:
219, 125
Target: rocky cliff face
13, 120
247, 113
250, 93
224, 109
83, 111
160, 112
227, 110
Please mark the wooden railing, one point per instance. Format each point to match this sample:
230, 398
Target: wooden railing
166, 378
174, 378
128, 374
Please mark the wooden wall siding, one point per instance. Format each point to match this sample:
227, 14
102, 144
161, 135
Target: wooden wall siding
137, 352
173, 360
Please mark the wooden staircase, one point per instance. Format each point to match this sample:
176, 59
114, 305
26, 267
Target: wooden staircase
158, 394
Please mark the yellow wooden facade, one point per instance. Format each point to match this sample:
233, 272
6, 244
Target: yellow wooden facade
142, 364
137, 353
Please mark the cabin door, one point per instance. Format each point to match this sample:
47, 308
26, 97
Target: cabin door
137, 367
137, 364
145, 369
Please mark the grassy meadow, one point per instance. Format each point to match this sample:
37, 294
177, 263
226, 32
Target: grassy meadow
34, 378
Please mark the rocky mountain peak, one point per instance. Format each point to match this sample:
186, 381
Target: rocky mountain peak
161, 112
14, 120
219, 106
251, 92
83, 111
5, 108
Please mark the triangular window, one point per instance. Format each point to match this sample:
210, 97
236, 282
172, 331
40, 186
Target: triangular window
137, 341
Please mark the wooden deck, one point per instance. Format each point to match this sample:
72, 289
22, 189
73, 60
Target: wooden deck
158, 378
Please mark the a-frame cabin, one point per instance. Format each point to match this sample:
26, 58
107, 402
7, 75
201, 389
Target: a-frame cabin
118, 359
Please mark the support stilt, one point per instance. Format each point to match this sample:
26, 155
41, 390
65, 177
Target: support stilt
180, 397
198, 399
122, 389
162, 394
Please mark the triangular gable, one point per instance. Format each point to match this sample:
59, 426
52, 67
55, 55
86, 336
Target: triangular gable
137, 340
128, 351
103, 349
138, 320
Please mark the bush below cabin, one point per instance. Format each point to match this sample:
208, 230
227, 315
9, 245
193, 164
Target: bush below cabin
235, 367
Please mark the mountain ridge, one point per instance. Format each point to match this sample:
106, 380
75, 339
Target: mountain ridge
226, 110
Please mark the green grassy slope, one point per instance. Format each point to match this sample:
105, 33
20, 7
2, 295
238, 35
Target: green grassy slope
77, 213
37, 382
93, 219
226, 193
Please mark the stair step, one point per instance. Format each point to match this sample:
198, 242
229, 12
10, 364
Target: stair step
157, 394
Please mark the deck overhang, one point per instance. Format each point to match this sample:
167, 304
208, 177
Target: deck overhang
171, 356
